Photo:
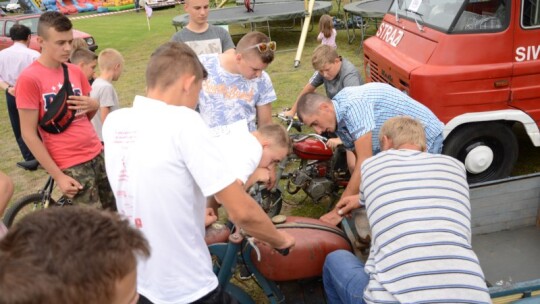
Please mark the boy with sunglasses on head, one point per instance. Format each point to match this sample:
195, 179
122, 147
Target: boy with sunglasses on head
237, 87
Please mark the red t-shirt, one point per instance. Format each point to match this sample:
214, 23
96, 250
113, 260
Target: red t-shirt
36, 87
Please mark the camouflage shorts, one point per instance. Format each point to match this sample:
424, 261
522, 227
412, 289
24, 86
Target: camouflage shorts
96, 189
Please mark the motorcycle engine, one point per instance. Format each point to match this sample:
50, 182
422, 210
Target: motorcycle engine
319, 187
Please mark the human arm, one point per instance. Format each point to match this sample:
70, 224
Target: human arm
342, 208
29, 123
320, 36
248, 215
103, 112
363, 150
334, 142
308, 88
7, 87
264, 115
259, 175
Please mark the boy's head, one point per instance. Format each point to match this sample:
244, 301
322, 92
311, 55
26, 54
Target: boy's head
73, 255
111, 61
276, 144
254, 52
79, 43
175, 64
317, 112
197, 10
54, 36
19, 32
86, 60
326, 61
402, 130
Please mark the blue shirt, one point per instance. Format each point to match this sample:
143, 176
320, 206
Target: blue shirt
365, 108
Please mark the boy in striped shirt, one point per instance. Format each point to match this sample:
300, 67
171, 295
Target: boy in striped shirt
419, 213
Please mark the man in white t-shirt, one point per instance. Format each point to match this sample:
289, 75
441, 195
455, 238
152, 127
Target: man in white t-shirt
162, 162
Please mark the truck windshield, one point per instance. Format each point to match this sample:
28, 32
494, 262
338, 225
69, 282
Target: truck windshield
454, 16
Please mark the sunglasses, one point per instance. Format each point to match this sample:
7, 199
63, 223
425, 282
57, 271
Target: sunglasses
264, 47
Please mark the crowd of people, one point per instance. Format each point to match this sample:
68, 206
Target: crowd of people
199, 137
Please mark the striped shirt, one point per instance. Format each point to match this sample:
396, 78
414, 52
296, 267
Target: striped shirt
362, 109
419, 213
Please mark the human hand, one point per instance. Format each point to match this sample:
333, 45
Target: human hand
288, 113
210, 217
11, 91
271, 177
82, 104
68, 185
288, 241
262, 175
347, 204
333, 143
332, 217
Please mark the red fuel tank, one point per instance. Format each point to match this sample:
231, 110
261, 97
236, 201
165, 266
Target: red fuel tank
312, 149
314, 241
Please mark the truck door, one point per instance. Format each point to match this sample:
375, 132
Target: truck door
525, 87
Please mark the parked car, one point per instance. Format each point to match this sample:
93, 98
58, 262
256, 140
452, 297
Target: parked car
13, 6
31, 21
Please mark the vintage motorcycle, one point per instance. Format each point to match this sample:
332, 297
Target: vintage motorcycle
312, 168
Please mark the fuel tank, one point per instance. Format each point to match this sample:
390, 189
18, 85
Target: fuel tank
312, 149
314, 241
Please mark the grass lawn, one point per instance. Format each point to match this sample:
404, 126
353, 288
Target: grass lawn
128, 33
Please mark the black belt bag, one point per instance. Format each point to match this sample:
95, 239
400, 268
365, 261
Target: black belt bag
58, 117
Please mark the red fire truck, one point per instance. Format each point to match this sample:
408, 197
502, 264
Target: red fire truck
475, 64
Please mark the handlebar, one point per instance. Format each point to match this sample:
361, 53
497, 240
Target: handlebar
291, 122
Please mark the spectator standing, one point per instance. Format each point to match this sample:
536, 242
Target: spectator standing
202, 37
13, 60
327, 32
419, 213
153, 155
111, 65
237, 87
73, 157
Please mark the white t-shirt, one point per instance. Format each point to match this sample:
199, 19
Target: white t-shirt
104, 92
242, 150
161, 163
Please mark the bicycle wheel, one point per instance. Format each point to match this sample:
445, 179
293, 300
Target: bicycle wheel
25, 205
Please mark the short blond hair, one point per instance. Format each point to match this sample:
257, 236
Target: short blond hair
108, 59
403, 130
83, 55
322, 55
277, 134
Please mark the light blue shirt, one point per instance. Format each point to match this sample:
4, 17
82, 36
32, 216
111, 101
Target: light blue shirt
227, 98
365, 108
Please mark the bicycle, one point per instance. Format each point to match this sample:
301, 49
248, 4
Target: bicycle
32, 202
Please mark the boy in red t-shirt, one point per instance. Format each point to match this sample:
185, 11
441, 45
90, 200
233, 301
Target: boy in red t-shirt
74, 157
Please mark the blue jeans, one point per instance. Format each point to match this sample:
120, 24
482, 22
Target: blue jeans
344, 278
437, 146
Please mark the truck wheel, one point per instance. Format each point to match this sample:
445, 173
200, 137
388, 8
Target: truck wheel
488, 150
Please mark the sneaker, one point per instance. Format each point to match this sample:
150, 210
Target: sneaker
30, 165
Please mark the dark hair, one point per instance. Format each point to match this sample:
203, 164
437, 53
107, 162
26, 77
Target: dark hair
308, 104
55, 20
246, 43
169, 62
19, 32
71, 255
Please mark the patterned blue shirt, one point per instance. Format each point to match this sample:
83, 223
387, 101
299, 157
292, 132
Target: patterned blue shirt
362, 109
227, 98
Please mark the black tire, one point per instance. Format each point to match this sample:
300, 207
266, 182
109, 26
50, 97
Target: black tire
25, 205
271, 202
496, 136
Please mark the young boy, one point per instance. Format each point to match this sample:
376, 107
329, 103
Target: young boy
86, 60
162, 163
73, 157
251, 156
203, 38
71, 255
237, 87
111, 64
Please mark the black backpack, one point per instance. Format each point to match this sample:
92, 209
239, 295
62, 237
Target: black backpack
58, 117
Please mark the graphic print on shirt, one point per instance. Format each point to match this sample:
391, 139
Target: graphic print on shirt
49, 97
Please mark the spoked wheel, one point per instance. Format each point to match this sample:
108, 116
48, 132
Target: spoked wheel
24, 206
488, 150
250, 5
